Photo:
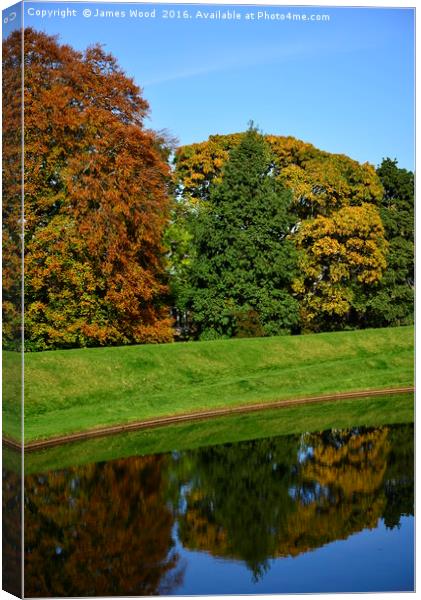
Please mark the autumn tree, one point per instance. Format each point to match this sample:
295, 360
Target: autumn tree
96, 201
244, 262
339, 255
338, 231
320, 181
12, 197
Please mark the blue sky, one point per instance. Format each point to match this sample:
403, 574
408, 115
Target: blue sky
345, 85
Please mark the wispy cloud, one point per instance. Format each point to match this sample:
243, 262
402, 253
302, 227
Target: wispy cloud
253, 57
241, 60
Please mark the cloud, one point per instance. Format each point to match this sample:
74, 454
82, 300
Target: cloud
250, 56
242, 60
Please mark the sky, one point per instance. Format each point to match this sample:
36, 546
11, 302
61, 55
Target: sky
345, 85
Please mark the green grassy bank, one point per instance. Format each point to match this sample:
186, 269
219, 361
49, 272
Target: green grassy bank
75, 390
369, 412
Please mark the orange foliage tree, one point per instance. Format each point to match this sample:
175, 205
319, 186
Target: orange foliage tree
12, 195
96, 201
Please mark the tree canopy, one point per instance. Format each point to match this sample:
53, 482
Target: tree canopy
96, 201
337, 227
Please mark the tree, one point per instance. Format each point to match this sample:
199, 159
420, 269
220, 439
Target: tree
12, 198
244, 262
337, 226
393, 302
96, 201
179, 242
340, 254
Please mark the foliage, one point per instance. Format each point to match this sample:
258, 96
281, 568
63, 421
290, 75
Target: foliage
96, 201
12, 193
339, 253
200, 165
247, 324
243, 260
210, 334
178, 240
392, 303
106, 250
324, 183
320, 181
335, 206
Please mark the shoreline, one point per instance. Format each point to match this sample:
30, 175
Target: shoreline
197, 416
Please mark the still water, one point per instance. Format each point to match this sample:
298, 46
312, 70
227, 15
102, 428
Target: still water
321, 512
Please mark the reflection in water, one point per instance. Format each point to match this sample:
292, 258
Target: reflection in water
12, 532
103, 529
284, 496
119, 527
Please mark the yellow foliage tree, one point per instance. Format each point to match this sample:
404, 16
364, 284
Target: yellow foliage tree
338, 253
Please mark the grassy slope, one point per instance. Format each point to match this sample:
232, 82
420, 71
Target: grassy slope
12, 394
344, 414
72, 390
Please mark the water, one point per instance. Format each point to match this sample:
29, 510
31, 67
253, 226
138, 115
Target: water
321, 512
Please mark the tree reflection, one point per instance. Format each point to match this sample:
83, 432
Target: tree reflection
12, 531
102, 529
399, 478
238, 498
284, 496
109, 528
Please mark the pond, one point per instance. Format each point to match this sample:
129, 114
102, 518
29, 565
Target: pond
316, 512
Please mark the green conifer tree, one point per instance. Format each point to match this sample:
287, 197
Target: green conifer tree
244, 261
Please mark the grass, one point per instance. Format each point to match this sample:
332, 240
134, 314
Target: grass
374, 411
74, 390
12, 394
